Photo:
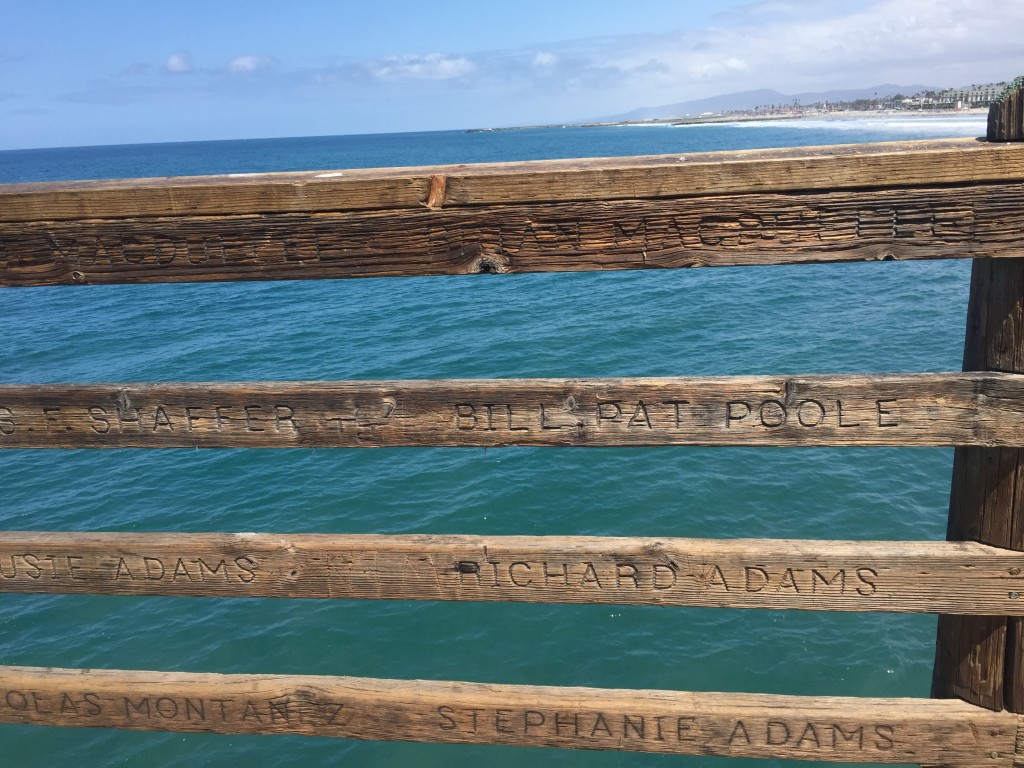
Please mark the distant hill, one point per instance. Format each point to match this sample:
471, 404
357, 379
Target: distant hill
750, 99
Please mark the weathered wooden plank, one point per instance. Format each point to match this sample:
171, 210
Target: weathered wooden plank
751, 229
738, 725
886, 165
984, 409
977, 659
919, 577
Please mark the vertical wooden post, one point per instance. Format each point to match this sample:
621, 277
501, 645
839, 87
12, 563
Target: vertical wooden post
981, 659
1006, 114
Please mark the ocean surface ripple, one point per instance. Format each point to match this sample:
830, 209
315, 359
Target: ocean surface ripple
849, 318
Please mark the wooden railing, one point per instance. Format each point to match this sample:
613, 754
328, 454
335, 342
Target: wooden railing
915, 200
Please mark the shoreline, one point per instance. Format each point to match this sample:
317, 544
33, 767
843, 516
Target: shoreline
741, 117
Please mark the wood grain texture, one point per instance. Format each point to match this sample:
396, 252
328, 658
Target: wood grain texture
1006, 114
984, 409
737, 725
855, 166
977, 659
918, 577
971, 221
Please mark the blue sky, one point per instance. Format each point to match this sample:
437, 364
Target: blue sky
125, 72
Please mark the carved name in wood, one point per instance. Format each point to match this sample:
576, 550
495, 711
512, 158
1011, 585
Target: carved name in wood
952, 577
900, 409
935, 199
748, 725
665, 233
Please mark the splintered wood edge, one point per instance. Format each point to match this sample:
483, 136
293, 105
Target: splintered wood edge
883, 165
982, 409
834, 729
899, 576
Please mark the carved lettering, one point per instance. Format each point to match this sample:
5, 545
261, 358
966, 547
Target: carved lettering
625, 570
465, 416
810, 413
53, 417
809, 735
541, 237
630, 233
181, 571
544, 419
640, 416
885, 741
278, 709
329, 711
675, 407
664, 576
160, 420
736, 410
137, 707
885, 417
756, 578
7, 424
866, 576
713, 577
772, 413
100, 421
739, 730
839, 408
154, 568
609, 410
788, 581
523, 567
241, 569
448, 723
284, 414
123, 571
531, 719
248, 567
196, 708
730, 231
562, 574
64, 250
72, 567
841, 737
776, 733
817, 577
590, 577
511, 428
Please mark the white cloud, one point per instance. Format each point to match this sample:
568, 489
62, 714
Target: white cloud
829, 44
434, 66
544, 60
178, 63
245, 65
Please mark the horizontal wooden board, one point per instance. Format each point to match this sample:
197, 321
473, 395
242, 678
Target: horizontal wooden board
735, 724
904, 576
982, 220
984, 409
858, 166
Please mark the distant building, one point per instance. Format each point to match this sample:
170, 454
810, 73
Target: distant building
975, 96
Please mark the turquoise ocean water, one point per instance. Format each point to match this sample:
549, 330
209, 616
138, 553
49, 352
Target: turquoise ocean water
872, 317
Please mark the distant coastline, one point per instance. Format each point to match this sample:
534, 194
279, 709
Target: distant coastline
741, 117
